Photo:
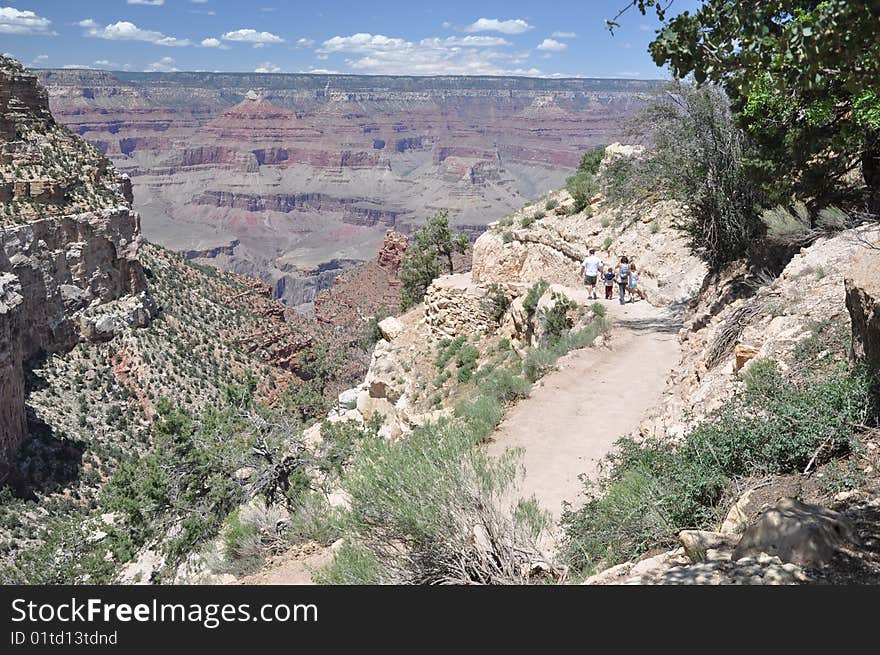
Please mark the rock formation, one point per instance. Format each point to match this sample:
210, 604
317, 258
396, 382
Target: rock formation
304, 170
863, 302
68, 242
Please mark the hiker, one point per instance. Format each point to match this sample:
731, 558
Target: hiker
623, 277
591, 267
609, 282
633, 286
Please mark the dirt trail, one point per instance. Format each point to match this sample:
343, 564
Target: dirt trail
574, 415
571, 419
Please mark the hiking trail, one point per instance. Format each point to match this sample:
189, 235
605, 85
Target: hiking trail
574, 415
570, 420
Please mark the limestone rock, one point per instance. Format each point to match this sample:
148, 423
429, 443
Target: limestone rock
390, 328
744, 354
863, 303
696, 543
13, 421
796, 532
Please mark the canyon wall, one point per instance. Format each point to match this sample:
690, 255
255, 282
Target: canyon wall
68, 259
300, 170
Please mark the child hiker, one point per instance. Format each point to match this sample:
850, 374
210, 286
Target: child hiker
608, 276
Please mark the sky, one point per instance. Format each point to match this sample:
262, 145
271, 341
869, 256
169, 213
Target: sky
562, 38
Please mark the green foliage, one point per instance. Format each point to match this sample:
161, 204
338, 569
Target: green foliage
433, 243
551, 204
538, 361
240, 540
530, 302
591, 159
804, 77
416, 504
698, 156
582, 186
188, 480
448, 349
554, 318
527, 221
654, 490
496, 303
466, 363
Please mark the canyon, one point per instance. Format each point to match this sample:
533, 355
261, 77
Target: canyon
295, 178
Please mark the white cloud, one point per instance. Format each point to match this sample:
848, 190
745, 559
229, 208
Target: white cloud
211, 43
248, 35
164, 65
267, 67
564, 35
552, 45
126, 31
305, 43
152, 3
41, 57
13, 21
105, 62
321, 71
627, 74
376, 53
512, 26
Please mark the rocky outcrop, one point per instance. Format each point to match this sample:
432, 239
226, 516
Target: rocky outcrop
454, 305
863, 303
66, 256
740, 319
797, 533
391, 252
528, 249
68, 264
13, 424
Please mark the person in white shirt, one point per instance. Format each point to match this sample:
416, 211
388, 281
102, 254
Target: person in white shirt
591, 267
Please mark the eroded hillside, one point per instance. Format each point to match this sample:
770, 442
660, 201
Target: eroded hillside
289, 177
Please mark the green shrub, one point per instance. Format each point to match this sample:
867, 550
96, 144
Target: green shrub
507, 236
433, 243
551, 204
582, 187
527, 220
448, 349
606, 244
496, 303
599, 309
466, 362
416, 505
240, 540
530, 302
555, 319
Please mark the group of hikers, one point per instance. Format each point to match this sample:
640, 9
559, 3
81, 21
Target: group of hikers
624, 275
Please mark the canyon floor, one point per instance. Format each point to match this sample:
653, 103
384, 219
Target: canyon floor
570, 421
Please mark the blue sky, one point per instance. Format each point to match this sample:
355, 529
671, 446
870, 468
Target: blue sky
410, 37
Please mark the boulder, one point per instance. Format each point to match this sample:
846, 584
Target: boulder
796, 532
390, 328
863, 303
744, 354
697, 542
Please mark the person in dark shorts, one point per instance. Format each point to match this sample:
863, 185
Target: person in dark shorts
591, 267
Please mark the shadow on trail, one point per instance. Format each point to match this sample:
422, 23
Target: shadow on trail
670, 325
